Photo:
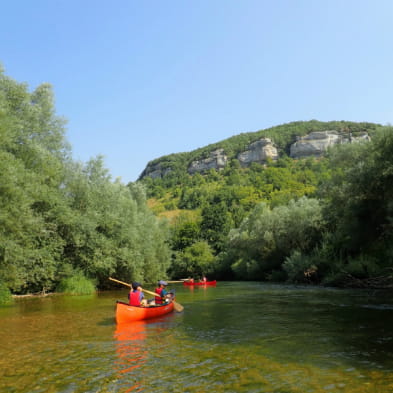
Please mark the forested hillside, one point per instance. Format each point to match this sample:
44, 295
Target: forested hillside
320, 219
60, 218
325, 219
176, 165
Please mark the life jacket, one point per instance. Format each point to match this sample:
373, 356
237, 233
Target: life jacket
135, 298
158, 299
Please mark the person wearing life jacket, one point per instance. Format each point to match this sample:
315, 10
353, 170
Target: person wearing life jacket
136, 295
161, 292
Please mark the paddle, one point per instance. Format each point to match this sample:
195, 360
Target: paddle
178, 307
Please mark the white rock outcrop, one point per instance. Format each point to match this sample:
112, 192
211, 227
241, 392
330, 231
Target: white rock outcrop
217, 160
258, 151
316, 143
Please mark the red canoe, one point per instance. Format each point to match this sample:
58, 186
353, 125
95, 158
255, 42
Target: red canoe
189, 283
127, 313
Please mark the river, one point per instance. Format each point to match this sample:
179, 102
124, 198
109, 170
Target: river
235, 337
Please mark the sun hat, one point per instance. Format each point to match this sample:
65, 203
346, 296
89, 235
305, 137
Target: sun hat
161, 282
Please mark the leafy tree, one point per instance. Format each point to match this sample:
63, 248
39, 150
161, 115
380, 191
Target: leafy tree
58, 216
184, 234
267, 236
215, 225
359, 204
195, 260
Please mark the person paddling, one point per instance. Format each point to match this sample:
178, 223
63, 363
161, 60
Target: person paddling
136, 295
162, 294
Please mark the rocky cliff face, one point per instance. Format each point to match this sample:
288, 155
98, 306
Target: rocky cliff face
316, 143
313, 144
258, 151
217, 160
155, 171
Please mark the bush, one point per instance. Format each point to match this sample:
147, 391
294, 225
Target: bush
300, 268
77, 284
247, 269
363, 267
195, 260
5, 294
277, 276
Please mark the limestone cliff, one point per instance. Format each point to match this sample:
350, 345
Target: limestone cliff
258, 151
261, 146
316, 143
217, 160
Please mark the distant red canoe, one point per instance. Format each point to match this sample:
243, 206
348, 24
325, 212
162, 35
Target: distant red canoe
127, 313
189, 283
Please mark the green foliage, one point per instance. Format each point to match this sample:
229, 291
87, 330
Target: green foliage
77, 284
5, 294
196, 260
283, 136
58, 216
184, 234
358, 201
363, 266
247, 269
215, 225
263, 222
268, 236
299, 268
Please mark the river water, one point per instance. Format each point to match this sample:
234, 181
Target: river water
236, 337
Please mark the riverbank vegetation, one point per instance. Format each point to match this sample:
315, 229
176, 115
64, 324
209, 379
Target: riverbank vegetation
59, 217
318, 220
5, 294
77, 284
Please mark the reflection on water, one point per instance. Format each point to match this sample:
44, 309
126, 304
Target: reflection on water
236, 338
131, 350
135, 341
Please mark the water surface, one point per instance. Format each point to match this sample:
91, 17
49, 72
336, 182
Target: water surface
236, 337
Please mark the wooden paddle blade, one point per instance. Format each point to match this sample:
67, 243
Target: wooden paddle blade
177, 306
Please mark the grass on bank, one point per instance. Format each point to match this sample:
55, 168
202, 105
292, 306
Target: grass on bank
5, 294
77, 284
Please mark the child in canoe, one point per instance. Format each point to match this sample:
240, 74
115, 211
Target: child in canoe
136, 296
163, 296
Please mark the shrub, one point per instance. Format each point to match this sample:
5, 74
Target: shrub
77, 284
5, 294
363, 266
299, 267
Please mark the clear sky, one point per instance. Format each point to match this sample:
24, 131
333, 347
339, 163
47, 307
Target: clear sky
139, 79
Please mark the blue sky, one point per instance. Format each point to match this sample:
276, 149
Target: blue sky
141, 79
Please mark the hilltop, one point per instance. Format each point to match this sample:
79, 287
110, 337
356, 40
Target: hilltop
296, 140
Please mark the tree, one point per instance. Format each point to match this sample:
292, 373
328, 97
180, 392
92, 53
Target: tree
267, 236
215, 225
194, 261
359, 203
